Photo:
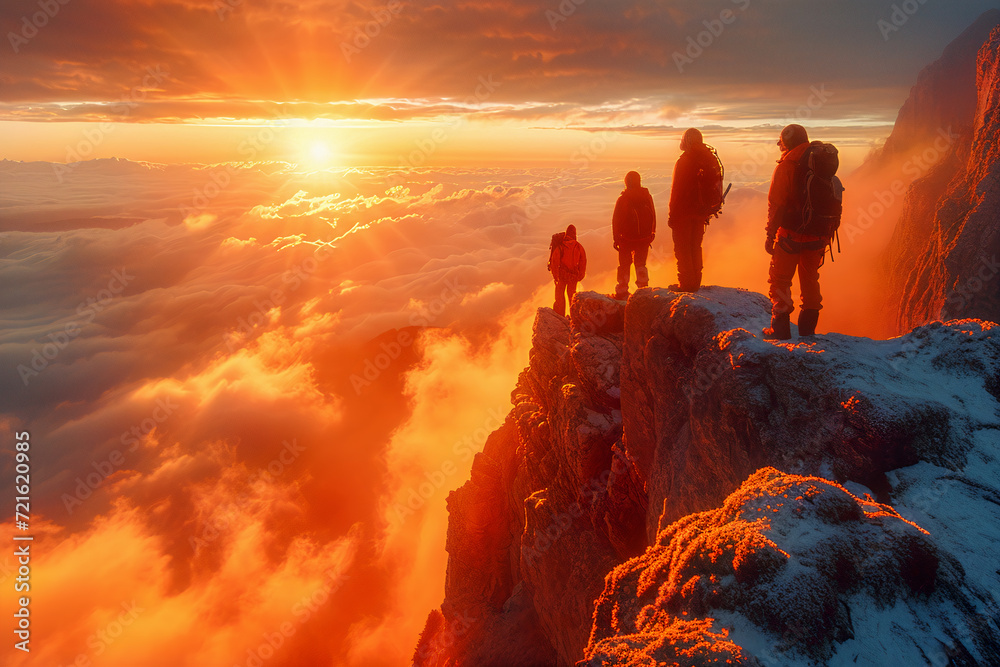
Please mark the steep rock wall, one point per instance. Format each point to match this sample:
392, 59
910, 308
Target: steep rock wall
942, 261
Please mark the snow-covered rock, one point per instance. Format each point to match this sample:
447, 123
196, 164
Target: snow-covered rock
791, 570
631, 422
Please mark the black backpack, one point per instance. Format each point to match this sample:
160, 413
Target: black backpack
822, 192
708, 179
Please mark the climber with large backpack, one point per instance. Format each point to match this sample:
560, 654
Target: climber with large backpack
568, 264
805, 204
633, 228
696, 196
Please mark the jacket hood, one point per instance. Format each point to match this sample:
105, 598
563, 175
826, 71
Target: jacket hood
795, 154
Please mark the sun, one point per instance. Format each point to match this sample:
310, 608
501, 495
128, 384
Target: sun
319, 154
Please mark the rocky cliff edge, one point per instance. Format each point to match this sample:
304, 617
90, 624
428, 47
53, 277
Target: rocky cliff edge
671, 487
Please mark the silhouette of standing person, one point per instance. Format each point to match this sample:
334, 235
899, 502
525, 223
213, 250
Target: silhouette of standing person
793, 246
695, 196
633, 227
568, 264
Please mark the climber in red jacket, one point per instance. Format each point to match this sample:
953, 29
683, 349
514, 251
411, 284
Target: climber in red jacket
568, 264
791, 250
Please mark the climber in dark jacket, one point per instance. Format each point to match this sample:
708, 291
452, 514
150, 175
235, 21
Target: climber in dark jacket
688, 215
633, 227
790, 250
568, 264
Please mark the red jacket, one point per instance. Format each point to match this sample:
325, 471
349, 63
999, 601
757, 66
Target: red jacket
634, 219
569, 262
784, 200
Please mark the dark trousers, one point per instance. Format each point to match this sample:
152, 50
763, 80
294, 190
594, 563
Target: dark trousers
783, 268
629, 253
564, 295
687, 250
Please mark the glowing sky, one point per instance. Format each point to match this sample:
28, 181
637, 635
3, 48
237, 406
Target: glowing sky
218, 357
369, 78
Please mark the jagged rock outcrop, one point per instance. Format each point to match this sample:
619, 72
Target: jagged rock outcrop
551, 499
628, 420
942, 261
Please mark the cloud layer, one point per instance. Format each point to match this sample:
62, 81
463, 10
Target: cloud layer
250, 387
229, 389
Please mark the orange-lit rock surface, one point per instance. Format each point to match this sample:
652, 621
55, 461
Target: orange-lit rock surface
784, 553
632, 425
943, 261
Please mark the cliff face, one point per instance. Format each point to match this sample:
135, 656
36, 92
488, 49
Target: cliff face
552, 498
942, 261
944, 95
632, 424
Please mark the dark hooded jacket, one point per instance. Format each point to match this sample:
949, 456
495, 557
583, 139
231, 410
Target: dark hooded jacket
634, 219
685, 203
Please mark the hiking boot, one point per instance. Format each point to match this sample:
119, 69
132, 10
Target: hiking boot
807, 322
780, 329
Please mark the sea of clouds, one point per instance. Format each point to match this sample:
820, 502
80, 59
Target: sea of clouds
250, 388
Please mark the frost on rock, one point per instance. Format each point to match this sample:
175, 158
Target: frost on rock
777, 575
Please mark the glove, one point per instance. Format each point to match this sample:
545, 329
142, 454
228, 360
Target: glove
769, 245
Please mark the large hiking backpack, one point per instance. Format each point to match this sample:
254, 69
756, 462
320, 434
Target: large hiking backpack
822, 192
708, 182
566, 257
